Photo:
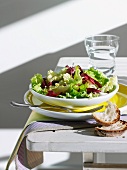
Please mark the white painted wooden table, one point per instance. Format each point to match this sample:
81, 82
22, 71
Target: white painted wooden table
82, 140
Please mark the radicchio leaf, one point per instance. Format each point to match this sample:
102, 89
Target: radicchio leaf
45, 83
70, 70
93, 90
86, 77
52, 93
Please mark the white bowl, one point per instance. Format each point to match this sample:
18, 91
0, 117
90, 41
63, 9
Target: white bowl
73, 102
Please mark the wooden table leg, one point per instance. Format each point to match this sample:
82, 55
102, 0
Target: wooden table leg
104, 165
97, 160
87, 158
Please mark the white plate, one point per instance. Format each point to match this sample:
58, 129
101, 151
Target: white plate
120, 99
54, 113
73, 102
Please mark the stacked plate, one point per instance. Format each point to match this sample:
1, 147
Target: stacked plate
118, 96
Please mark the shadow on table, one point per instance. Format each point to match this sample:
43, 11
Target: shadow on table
122, 79
74, 162
4, 158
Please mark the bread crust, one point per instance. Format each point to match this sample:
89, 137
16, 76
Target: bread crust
104, 132
107, 123
111, 125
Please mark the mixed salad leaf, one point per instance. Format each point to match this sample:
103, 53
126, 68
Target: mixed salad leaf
73, 82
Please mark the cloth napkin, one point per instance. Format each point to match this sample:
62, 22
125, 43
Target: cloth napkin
25, 159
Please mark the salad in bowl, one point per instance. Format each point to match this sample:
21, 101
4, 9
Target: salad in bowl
73, 87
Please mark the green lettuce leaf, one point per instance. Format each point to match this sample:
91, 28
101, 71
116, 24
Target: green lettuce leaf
97, 75
36, 79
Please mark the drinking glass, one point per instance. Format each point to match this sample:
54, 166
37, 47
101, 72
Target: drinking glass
102, 50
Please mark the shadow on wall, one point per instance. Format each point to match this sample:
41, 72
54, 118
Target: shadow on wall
14, 83
14, 10
122, 33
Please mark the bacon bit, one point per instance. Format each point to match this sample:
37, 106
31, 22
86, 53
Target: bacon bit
86, 77
52, 93
93, 90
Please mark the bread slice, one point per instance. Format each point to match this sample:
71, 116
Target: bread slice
114, 130
110, 116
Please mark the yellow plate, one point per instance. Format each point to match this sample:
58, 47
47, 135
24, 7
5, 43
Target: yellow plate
120, 99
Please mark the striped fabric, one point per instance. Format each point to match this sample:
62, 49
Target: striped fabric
25, 159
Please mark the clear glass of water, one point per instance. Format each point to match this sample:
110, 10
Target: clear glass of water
102, 50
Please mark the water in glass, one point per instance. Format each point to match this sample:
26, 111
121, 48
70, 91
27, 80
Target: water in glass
102, 58
102, 50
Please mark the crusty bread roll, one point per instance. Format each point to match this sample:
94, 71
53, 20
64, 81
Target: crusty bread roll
112, 126
116, 129
110, 116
